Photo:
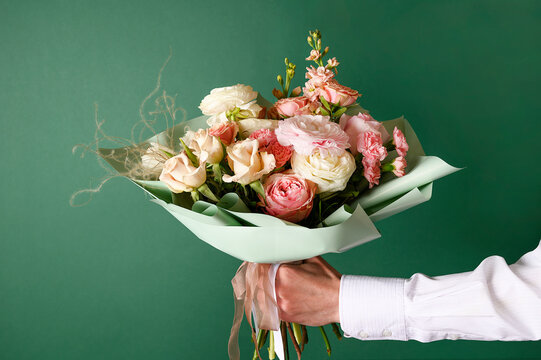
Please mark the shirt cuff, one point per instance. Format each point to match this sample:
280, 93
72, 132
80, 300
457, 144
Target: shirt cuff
372, 308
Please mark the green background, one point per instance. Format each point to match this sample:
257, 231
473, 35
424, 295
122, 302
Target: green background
121, 279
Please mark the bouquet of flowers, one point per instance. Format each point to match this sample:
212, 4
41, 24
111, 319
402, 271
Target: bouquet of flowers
284, 181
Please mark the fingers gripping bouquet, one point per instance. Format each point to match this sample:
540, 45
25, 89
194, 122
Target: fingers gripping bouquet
270, 183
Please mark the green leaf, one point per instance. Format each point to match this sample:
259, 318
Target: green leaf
191, 156
195, 196
258, 188
217, 170
205, 190
325, 103
339, 112
387, 167
324, 112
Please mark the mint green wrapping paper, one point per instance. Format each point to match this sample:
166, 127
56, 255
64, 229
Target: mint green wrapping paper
230, 227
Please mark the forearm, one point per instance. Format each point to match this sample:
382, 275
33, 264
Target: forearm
494, 302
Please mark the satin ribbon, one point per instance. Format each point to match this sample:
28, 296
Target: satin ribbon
253, 289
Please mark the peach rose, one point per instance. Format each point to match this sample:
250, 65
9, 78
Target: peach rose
206, 147
226, 131
288, 196
247, 163
335, 93
293, 106
154, 158
180, 175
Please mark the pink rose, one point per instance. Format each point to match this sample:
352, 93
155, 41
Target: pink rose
371, 146
309, 132
335, 93
281, 153
288, 107
226, 131
399, 140
288, 196
371, 171
356, 126
399, 166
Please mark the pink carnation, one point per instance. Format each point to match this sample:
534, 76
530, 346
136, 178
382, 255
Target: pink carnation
288, 196
371, 146
372, 171
399, 140
356, 126
399, 166
281, 153
309, 132
225, 131
263, 136
288, 107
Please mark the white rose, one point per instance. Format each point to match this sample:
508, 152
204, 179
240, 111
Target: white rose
180, 175
248, 126
247, 163
206, 147
153, 159
330, 173
221, 100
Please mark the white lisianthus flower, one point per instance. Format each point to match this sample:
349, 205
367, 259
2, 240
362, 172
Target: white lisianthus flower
180, 175
155, 156
247, 163
206, 147
250, 125
330, 172
221, 100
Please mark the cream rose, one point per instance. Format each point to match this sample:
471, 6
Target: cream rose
155, 156
247, 163
330, 173
180, 175
221, 100
248, 126
207, 147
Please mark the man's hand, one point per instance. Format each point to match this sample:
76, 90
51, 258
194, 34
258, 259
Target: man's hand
308, 293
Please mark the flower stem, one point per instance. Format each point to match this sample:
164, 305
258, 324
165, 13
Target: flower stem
256, 345
337, 331
292, 336
304, 337
325, 339
272, 352
298, 332
283, 333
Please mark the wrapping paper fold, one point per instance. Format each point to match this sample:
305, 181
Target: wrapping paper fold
230, 227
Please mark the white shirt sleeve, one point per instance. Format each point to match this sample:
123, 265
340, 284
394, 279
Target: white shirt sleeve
496, 301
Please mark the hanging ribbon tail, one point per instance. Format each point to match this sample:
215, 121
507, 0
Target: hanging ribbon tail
253, 289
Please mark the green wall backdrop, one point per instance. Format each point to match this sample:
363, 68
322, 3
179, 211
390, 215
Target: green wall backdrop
122, 279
